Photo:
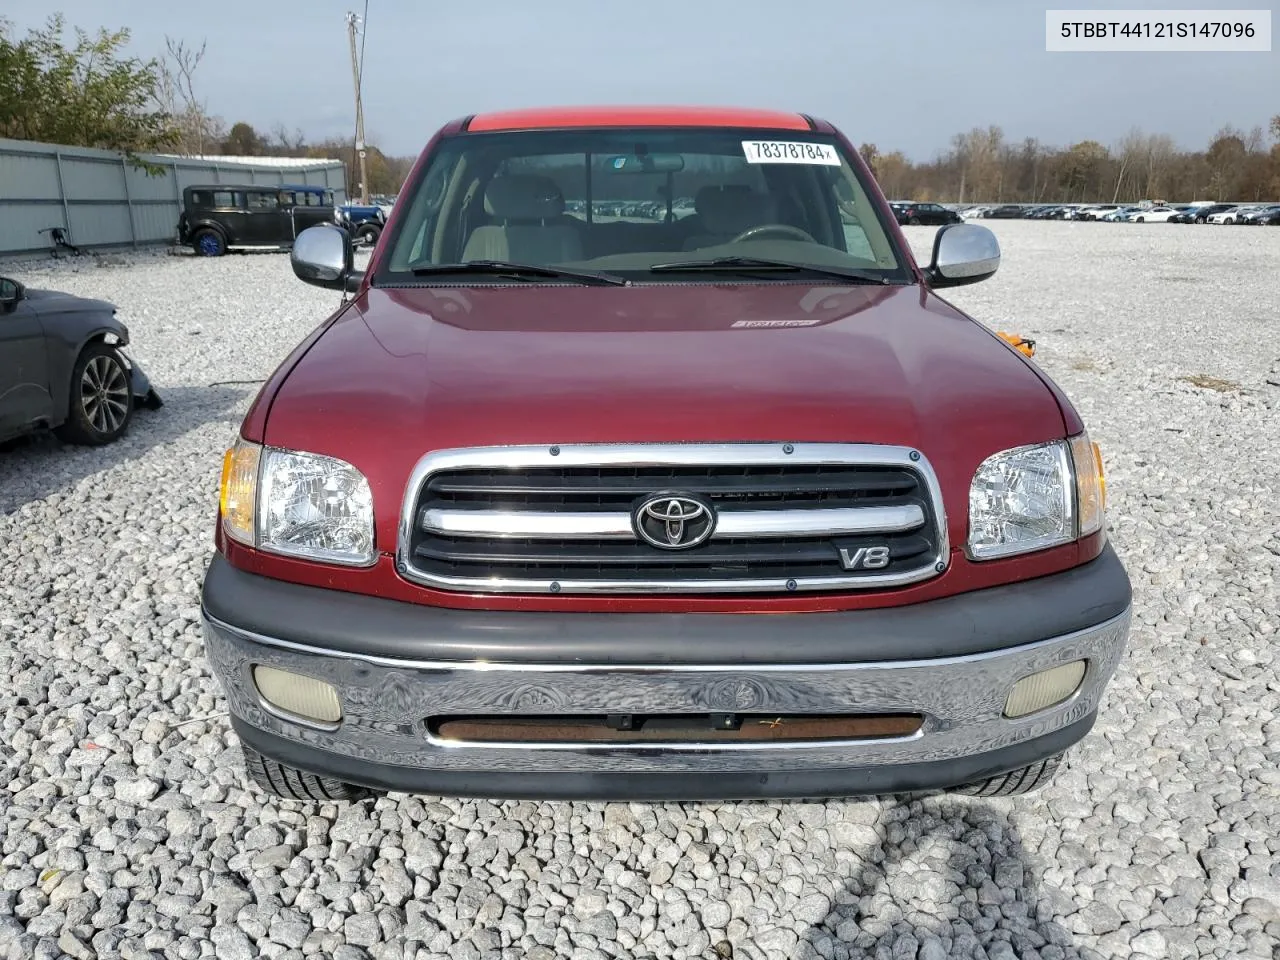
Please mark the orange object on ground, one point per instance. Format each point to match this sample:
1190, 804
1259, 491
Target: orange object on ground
1021, 344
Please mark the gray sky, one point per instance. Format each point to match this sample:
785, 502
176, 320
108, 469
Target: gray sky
904, 75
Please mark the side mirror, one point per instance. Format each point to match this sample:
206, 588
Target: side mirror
11, 291
963, 253
324, 257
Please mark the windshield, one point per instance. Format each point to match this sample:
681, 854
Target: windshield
621, 201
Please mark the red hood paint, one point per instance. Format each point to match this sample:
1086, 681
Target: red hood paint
406, 371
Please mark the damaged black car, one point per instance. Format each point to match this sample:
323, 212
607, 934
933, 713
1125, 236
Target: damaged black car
63, 367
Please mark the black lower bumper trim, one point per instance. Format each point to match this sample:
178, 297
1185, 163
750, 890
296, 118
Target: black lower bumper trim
969, 623
676, 785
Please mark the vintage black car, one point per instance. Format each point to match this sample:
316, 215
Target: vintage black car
219, 217
63, 366
930, 214
363, 221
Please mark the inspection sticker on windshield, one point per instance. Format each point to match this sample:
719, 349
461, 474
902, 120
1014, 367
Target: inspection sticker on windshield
790, 151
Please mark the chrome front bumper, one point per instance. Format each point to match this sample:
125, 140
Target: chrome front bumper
386, 701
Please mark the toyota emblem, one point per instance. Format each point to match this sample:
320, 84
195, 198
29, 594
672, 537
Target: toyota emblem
674, 521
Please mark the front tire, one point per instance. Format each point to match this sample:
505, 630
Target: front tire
208, 243
293, 784
368, 235
101, 401
914, 221
1015, 782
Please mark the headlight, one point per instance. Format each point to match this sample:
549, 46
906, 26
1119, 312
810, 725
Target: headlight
298, 504
1035, 497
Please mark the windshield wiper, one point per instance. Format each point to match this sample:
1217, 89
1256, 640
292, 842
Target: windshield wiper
759, 264
520, 271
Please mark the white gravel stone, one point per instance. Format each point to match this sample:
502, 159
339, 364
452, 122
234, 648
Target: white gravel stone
128, 829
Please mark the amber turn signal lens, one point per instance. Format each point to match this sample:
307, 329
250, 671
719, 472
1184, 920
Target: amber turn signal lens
1102, 474
239, 491
1086, 459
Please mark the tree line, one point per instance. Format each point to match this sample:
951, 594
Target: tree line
982, 166
87, 92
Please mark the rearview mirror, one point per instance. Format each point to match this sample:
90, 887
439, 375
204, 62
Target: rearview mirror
11, 291
324, 257
963, 253
649, 163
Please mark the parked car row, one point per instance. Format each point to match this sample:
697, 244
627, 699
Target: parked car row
927, 214
1205, 212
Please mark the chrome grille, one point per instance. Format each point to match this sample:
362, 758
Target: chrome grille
560, 519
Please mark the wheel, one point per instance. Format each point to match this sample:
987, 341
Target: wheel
209, 243
1200, 219
368, 235
101, 401
1227, 220
1138, 220
1015, 782
913, 221
293, 784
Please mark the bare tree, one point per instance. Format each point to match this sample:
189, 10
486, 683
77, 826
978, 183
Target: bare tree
177, 95
291, 144
1159, 155
1130, 149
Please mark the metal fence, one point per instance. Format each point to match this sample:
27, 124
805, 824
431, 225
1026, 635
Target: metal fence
100, 199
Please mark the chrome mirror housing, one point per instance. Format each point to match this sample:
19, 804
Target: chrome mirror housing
963, 253
323, 256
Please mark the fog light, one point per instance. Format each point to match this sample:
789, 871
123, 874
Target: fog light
1044, 689
302, 696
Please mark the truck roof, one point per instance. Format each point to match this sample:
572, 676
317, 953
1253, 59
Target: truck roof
543, 118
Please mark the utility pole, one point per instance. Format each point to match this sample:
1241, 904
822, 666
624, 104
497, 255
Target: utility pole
353, 25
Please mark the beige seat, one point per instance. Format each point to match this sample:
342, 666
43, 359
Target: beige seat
725, 211
529, 228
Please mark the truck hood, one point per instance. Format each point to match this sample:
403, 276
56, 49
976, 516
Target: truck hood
404, 371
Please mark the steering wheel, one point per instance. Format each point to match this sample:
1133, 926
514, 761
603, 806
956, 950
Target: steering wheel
781, 229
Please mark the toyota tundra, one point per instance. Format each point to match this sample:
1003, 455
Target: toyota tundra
586, 491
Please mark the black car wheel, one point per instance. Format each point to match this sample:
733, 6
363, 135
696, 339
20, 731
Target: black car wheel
368, 235
1200, 219
208, 243
1015, 782
293, 784
914, 221
101, 401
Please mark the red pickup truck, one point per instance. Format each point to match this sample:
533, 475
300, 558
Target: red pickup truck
643, 461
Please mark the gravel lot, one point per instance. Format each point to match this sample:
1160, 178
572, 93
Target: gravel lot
128, 829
